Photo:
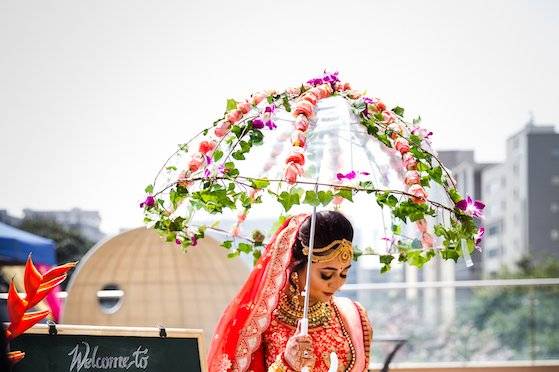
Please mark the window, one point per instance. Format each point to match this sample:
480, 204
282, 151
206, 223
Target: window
555, 180
493, 230
554, 234
493, 252
554, 207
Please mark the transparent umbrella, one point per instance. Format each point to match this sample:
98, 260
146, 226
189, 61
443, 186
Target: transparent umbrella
319, 145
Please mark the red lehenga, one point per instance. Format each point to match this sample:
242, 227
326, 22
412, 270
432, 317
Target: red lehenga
249, 335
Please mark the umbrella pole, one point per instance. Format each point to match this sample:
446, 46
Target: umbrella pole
305, 320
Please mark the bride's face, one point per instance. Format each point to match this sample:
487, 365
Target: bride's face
326, 278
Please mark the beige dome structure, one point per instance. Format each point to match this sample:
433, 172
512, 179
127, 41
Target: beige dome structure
161, 285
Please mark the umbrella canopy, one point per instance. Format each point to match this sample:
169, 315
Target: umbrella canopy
320, 144
16, 245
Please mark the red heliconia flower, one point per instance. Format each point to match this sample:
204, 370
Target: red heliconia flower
37, 287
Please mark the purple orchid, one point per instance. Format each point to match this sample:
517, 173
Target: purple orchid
471, 207
149, 202
270, 109
218, 171
369, 100
350, 176
325, 79
422, 132
479, 237
258, 123
270, 124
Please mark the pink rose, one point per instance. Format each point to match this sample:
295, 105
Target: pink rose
294, 91
311, 97
182, 179
419, 194
354, 94
234, 116
325, 90
207, 146
409, 161
305, 108
299, 139
241, 217
388, 117
244, 107
292, 172
402, 145
257, 98
222, 129
302, 123
412, 177
296, 157
337, 200
195, 163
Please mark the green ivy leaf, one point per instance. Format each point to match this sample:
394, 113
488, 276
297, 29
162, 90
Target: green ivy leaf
218, 154
270, 99
231, 104
227, 244
398, 111
259, 183
455, 196
171, 168
385, 260
233, 254
149, 189
238, 155
436, 174
325, 197
256, 137
245, 247
346, 194
311, 198
286, 104
367, 185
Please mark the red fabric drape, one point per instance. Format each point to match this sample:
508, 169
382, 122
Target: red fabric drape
236, 342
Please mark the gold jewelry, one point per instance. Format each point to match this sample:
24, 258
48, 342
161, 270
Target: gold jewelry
290, 312
278, 365
344, 251
294, 288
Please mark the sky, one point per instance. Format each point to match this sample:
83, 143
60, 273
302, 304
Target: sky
94, 95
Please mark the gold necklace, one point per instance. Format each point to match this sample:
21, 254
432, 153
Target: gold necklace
290, 313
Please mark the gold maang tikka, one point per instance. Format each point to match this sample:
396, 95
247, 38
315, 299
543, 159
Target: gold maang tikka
344, 251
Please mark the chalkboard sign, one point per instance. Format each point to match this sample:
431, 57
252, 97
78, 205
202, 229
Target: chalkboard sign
96, 349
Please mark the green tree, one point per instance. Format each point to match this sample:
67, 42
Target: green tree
524, 319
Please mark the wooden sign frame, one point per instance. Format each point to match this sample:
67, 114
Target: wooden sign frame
91, 330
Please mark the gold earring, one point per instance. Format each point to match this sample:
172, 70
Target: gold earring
294, 288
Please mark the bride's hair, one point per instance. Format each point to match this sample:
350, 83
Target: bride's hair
330, 226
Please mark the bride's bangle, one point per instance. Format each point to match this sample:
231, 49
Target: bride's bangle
278, 365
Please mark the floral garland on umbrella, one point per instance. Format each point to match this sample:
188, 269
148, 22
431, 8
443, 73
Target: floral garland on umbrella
213, 169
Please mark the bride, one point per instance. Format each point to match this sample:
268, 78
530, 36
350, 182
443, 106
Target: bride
259, 329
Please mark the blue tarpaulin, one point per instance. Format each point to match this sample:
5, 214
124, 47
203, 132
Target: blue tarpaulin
15, 246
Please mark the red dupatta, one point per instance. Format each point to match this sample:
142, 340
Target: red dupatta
237, 338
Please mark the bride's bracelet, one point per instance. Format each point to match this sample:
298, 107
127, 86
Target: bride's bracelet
278, 365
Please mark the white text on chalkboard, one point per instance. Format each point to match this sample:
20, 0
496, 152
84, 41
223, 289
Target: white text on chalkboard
81, 359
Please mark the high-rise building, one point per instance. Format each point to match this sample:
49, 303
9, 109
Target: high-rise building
523, 198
